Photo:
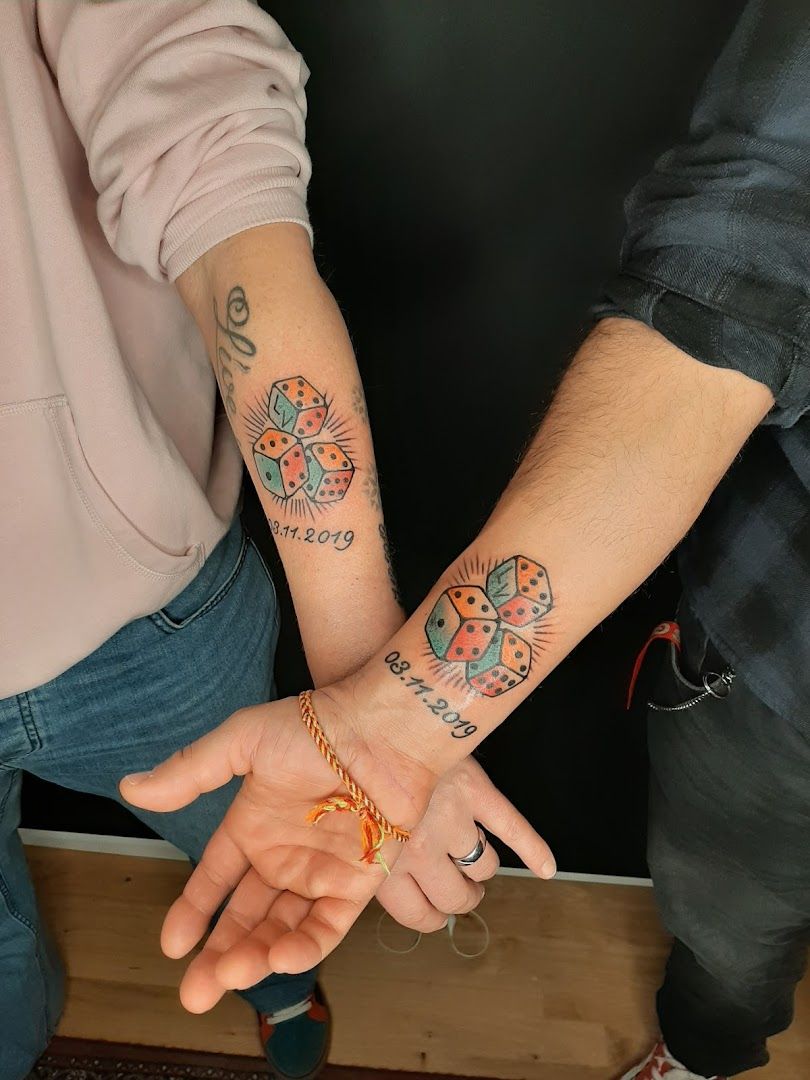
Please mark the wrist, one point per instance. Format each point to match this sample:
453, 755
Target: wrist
398, 782
393, 722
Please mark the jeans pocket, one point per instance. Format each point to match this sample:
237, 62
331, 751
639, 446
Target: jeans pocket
210, 587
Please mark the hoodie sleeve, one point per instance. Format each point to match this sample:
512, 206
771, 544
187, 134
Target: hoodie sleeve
191, 113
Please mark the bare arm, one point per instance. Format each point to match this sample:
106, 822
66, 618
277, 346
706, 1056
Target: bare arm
290, 385
636, 439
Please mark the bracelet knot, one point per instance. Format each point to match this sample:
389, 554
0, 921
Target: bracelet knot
375, 827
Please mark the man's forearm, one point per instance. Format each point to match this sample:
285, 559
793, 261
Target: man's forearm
291, 389
636, 439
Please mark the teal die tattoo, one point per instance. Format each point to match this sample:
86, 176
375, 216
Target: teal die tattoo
297, 407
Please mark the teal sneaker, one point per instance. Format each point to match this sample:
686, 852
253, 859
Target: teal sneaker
296, 1040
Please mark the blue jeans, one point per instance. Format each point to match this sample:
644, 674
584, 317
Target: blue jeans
156, 685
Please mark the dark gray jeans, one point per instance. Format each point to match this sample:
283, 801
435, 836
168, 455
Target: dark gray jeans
729, 851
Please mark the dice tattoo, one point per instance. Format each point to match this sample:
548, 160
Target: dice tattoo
462, 624
330, 472
297, 407
301, 453
485, 631
280, 462
520, 591
505, 664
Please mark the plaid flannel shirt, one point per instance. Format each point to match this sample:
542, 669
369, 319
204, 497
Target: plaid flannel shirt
716, 257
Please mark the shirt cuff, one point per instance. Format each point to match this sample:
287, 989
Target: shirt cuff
706, 306
264, 198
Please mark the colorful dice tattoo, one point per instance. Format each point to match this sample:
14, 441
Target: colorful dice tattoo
301, 450
484, 635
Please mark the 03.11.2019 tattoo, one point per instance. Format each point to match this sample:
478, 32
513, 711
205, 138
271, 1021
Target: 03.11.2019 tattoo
340, 540
459, 728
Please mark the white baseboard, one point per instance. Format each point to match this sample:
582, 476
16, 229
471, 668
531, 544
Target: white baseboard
160, 849
108, 845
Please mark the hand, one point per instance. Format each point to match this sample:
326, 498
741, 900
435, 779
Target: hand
426, 885
319, 886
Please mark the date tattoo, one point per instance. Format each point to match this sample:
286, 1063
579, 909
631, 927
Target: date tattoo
484, 635
459, 728
340, 540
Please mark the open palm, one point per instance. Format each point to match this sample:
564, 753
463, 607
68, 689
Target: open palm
319, 885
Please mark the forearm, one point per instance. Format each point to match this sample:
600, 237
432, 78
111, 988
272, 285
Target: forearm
291, 389
636, 439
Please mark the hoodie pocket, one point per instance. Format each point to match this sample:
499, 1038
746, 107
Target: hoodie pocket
73, 568
141, 553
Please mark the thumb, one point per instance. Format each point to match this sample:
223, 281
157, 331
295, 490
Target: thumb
203, 765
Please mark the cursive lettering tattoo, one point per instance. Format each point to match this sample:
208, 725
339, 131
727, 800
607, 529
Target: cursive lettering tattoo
302, 450
371, 486
484, 635
400, 667
234, 349
389, 562
359, 404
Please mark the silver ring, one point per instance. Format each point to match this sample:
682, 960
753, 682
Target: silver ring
476, 852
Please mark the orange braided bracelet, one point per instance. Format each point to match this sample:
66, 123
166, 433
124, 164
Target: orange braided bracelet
374, 825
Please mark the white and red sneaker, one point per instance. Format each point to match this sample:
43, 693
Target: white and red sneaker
661, 1065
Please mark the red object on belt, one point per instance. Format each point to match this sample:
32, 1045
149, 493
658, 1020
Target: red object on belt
665, 631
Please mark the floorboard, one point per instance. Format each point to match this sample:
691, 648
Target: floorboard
564, 992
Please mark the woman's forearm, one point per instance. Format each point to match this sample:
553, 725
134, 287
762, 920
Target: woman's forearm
291, 389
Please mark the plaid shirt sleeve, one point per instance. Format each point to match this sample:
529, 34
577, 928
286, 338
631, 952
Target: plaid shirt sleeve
716, 254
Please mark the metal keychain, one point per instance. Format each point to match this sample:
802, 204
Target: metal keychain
712, 682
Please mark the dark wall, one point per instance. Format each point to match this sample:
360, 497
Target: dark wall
470, 164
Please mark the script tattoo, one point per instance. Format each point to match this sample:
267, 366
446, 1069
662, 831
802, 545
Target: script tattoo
359, 404
484, 635
234, 349
389, 562
371, 486
302, 450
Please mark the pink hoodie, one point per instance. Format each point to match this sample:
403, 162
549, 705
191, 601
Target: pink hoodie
134, 135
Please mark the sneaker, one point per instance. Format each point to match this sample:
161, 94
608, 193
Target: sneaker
296, 1040
661, 1065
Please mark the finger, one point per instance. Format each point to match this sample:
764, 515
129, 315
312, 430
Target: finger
218, 873
484, 868
323, 929
246, 962
407, 904
499, 816
201, 766
449, 890
314, 874
200, 989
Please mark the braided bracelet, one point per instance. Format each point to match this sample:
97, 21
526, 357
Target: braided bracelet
374, 825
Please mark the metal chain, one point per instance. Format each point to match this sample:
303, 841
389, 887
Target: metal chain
711, 688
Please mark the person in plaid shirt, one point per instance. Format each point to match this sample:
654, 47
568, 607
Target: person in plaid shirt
717, 259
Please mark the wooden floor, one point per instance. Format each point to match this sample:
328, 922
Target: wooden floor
565, 991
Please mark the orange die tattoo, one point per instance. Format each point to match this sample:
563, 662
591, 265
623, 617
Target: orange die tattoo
484, 635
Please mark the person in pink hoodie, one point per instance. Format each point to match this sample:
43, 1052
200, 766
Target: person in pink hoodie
156, 243
686, 410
